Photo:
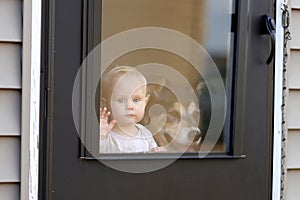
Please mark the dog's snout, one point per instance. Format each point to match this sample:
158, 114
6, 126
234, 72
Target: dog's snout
194, 134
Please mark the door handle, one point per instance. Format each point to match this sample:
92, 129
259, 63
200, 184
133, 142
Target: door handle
269, 28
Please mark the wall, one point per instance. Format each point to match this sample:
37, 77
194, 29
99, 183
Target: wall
293, 106
10, 97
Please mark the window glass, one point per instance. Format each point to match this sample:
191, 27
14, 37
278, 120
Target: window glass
184, 50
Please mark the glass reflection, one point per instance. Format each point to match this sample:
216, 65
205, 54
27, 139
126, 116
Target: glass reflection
206, 21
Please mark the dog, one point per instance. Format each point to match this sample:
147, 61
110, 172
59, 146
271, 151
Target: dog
174, 126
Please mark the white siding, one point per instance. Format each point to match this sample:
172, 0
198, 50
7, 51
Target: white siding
9, 191
293, 186
10, 98
293, 107
10, 67
293, 149
11, 20
10, 114
295, 4
295, 28
294, 69
9, 159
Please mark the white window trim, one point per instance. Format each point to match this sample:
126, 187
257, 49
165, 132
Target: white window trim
278, 93
30, 99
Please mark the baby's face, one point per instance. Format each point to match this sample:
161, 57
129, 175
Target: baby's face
128, 100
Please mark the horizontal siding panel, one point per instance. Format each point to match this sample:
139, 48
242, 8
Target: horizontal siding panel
295, 29
11, 20
292, 185
293, 149
295, 4
293, 109
9, 159
10, 191
10, 65
10, 112
294, 69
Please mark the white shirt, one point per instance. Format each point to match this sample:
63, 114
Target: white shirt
116, 143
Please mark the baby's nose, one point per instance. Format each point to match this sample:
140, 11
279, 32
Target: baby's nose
129, 105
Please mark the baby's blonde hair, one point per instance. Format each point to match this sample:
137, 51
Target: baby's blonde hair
109, 79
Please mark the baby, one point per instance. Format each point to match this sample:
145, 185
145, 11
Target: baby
124, 91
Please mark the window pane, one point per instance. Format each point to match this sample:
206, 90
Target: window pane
182, 106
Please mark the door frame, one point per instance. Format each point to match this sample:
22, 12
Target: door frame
278, 103
30, 120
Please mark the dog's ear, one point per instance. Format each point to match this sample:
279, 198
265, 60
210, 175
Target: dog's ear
193, 112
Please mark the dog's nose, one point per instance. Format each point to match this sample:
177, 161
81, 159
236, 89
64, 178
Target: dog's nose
194, 134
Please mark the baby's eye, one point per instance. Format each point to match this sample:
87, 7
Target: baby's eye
135, 100
122, 100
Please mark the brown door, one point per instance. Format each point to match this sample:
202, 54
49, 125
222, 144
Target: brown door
239, 164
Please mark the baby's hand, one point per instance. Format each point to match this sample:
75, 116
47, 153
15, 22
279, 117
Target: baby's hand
105, 127
158, 149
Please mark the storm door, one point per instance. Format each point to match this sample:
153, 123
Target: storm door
208, 93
